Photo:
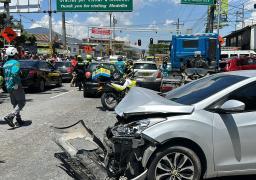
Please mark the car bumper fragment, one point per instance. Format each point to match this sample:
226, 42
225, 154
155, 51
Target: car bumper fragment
86, 157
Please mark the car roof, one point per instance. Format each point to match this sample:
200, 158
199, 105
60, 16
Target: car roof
245, 73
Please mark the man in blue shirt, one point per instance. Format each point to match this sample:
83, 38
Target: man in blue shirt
14, 86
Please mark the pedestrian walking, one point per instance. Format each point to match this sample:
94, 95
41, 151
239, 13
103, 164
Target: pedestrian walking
14, 86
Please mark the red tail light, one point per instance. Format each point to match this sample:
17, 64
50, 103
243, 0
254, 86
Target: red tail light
32, 73
88, 74
159, 74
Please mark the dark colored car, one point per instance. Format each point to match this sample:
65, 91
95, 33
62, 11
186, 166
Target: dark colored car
244, 63
91, 86
65, 70
39, 74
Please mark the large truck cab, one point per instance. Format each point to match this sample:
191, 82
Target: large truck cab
184, 47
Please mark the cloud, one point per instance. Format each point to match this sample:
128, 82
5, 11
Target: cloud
125, 38
168, 22
74, 28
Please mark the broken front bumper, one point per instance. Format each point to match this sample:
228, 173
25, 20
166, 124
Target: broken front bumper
84, 155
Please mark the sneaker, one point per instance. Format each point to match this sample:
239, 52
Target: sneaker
19, 122
9, 121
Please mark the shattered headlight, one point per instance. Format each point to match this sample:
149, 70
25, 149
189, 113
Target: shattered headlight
135, 128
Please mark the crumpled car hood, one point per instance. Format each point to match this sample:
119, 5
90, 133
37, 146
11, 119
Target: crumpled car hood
141, 101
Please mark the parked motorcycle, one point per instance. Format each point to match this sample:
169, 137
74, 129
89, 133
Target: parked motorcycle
113, 93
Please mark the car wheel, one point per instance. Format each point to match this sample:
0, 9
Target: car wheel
176, 163
41, 86
109, 101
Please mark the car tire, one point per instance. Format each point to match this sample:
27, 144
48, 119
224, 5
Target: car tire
175, 162
105, 103
41, 86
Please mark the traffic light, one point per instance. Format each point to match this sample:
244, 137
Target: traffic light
151, 41
139, 42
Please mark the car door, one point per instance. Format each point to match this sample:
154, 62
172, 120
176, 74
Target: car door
54, 75
235, 133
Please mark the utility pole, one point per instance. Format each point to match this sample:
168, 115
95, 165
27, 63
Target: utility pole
110, 28
50, 21
211, 19
114, 33
114, 25
64, 34
178, 24
219, 9
7, 11
243, 24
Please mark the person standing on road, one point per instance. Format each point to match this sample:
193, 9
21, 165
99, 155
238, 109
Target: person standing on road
120, 64
14, 86
80, 70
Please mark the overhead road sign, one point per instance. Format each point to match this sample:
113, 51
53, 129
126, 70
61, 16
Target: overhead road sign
198, 2
95, 5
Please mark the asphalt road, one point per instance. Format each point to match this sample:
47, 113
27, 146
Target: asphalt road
28, 152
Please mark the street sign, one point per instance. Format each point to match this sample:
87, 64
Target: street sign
198, 2
8, 34
95, 6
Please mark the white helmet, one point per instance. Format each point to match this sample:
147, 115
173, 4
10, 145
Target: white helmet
11, 51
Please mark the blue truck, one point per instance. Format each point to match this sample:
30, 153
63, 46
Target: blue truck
192, 57
185, 48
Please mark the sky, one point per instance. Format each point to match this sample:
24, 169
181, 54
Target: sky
160, 14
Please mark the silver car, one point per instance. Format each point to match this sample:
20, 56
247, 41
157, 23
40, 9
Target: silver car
203, 129
148, 75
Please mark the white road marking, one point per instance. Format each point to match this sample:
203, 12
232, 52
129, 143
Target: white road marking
61, 94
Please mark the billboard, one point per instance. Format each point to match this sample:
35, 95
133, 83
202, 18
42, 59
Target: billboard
101, 31
22, 6
95, 5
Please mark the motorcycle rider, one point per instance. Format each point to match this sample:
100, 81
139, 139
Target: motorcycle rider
14, 86
129, 67
165, 68
80, 70
88, 60
120, 64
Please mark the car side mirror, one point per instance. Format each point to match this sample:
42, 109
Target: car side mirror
232, 106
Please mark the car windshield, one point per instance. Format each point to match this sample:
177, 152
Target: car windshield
28, 64
62, 64
199, 90
145, 66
